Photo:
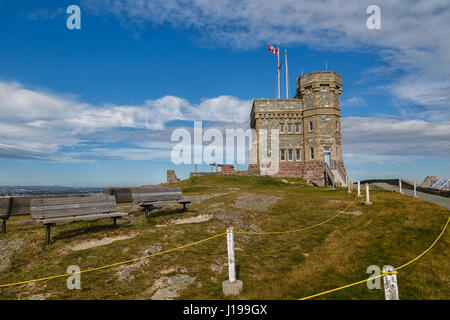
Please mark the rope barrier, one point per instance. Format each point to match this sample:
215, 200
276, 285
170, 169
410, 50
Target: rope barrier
171, 250
300, 229
249, 233
114, 264
384, 273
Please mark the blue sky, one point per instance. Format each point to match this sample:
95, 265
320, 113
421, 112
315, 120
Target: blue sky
96, 106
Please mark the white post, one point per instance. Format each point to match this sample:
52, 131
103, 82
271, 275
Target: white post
367, 195
415, 191
230, 247
359, 188
390, 284
195, 168
232, 286
237, 166
349, 190
400, 185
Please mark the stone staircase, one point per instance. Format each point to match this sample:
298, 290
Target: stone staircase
335, 175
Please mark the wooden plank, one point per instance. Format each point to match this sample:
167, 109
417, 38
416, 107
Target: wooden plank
154, 189
71, 200
123, 195
80, 218
159, 197
72, 212
106, 204
20, 206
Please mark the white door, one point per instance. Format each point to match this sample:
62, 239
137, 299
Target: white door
327, 155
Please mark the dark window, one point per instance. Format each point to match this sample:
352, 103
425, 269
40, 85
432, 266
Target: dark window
298, 154
282, 155
290, 155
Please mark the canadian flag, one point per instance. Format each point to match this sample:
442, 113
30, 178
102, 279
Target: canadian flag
273, 50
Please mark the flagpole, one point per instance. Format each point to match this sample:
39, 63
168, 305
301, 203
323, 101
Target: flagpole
287, 77
278, 68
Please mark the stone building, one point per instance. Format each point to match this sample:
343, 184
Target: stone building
309, 130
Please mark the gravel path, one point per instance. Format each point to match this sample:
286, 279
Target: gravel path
441, 201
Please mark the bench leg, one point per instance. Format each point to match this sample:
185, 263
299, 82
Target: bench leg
146, 212
184, 206
3, 225
115, 223
47, 233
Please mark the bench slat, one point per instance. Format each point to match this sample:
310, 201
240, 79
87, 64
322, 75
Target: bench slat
154, 189
20, 206
70, 206
87, 217
157, 196
42, 201
72, 212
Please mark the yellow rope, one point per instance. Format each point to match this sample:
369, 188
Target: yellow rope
384, 273
114, 264
174, 249
300, 229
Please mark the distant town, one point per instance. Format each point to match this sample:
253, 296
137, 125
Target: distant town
45, 190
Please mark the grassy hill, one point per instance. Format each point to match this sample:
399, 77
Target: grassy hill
394, 230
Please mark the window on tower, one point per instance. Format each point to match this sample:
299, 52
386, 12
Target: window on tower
312, 153
311, 127
297, 128
290, 155
281, 127
282, 155
298, 154
290, 128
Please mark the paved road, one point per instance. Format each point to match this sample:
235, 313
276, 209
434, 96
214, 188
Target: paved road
442, 201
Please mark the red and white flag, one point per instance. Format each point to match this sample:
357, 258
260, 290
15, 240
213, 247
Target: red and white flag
273, 50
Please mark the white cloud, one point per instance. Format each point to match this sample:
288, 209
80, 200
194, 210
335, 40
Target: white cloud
388, 137
413, 38
39, 125
353, 102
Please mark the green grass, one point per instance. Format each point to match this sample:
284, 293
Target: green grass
394, 230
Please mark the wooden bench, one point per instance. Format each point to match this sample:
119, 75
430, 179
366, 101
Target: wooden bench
50, 211
151, 197
13, 206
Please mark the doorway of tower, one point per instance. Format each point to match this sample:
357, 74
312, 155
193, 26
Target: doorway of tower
327, 155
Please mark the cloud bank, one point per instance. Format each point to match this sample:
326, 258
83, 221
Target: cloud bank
413, 39
39, 125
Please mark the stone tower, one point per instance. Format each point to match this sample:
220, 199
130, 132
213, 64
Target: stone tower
309, 129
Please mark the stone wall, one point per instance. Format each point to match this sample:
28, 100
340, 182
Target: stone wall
316, 101
171, 176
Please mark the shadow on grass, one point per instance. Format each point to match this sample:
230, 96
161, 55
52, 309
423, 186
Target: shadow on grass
169, 212
72, 233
